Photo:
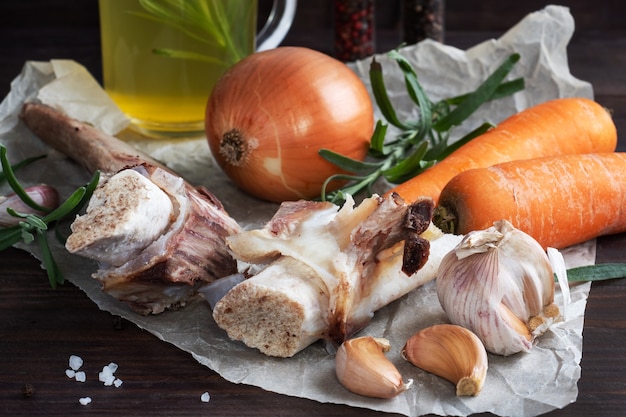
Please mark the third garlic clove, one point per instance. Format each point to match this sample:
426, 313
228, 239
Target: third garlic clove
451, 352
499, 283
362, 367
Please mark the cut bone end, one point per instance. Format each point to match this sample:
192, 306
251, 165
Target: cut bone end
277, 312
125, 215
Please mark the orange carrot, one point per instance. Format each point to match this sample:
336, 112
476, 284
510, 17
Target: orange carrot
556, 127
560, 201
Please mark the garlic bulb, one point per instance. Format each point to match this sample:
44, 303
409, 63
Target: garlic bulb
451, 352
499, 283
362, 367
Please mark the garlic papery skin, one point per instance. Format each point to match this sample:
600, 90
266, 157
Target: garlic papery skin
362, 367
499, 283
451, 352
43, 195
560, 270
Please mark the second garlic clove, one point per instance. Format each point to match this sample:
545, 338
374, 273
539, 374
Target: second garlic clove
451, 352
362, 367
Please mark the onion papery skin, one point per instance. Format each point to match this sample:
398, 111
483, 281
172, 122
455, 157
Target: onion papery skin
280, 107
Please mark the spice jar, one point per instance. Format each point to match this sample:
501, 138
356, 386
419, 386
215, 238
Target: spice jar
354, 29
423, 19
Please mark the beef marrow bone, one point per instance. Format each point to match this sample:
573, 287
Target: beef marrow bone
324, 271
156, 238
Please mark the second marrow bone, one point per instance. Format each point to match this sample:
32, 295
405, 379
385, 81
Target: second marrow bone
328, 272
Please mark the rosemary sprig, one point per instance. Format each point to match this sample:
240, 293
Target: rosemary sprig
204, 21
421, 143
34, 227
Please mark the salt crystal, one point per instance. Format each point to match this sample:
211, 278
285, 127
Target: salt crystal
106, 378
118, 382
80, 376
70, 373
113, 367
205, 397
76, 362
106, 375
84, 400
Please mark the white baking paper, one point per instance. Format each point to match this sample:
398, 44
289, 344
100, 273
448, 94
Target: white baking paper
521, 385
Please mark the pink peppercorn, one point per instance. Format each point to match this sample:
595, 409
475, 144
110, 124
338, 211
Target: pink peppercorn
354, 29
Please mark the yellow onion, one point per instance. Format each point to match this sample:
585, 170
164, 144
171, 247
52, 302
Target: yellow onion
271, 113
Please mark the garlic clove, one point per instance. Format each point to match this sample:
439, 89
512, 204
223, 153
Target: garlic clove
44, 195
514, 322
451, 352
362, 367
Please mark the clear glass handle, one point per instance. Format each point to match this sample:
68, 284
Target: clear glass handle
277, 25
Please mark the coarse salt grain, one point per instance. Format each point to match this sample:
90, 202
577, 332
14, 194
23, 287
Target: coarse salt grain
112, 367
75, 362
205, 397
84, 400
106, 379
106, 375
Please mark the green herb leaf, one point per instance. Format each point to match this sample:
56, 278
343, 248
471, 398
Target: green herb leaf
377, 143
174, 53
204, 21
27, 235
382, 99
442, 150
507, 88
10, 236
408, 165
419, 144
482, 94
31, 219
598, 272
349, 164
360, 184
9, 175
418, 95
54, 273
34, 227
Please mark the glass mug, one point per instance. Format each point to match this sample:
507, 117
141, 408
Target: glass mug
161, 58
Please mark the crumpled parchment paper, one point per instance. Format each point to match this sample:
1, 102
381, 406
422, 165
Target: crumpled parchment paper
520, 385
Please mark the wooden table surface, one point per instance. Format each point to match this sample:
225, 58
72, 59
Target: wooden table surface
40, 327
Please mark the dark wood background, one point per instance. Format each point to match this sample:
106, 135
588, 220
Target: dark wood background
42, 30
41, 27
40, 327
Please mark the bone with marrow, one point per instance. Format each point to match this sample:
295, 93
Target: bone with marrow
156, 238
325, 271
